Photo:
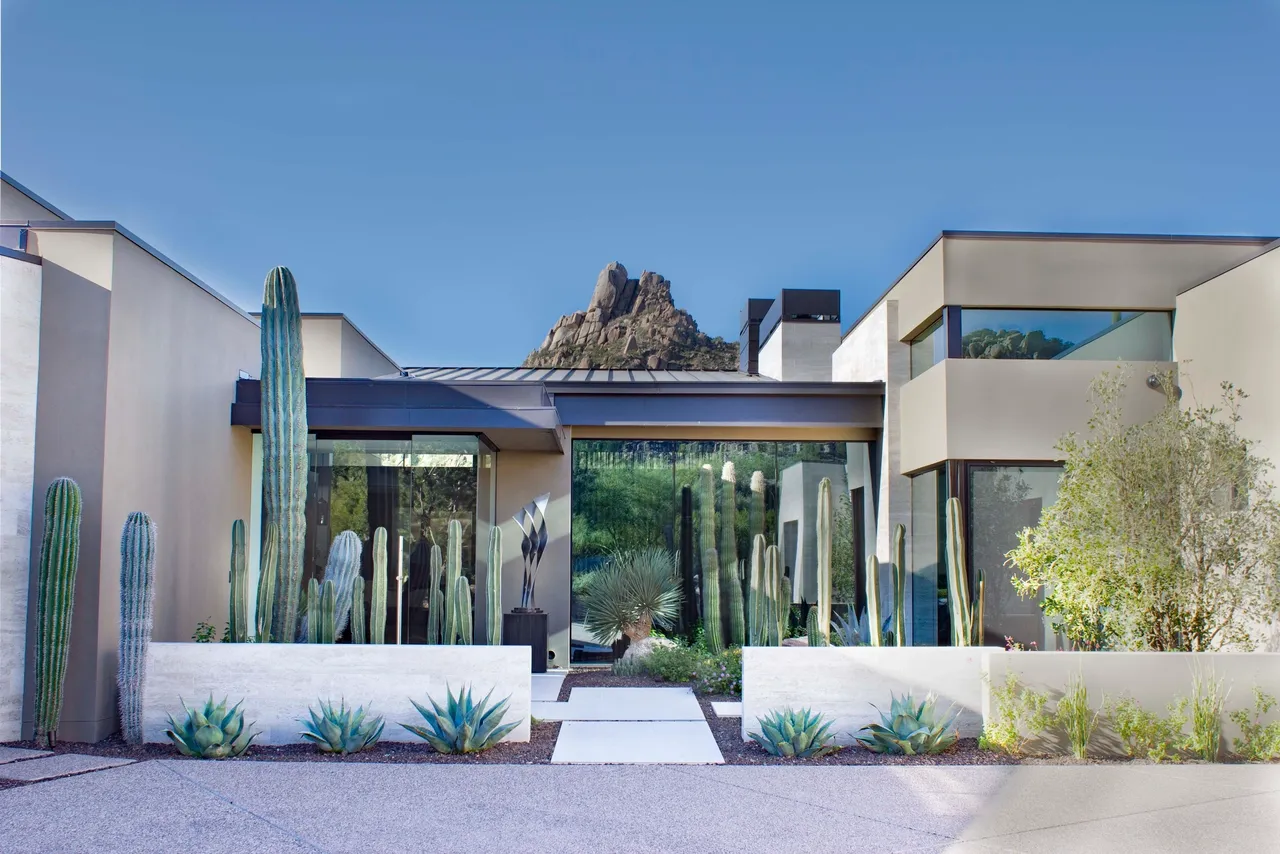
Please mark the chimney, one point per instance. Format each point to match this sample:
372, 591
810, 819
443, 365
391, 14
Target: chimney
749, 336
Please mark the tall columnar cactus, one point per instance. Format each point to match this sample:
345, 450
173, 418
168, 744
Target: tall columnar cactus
730, 568
756, 519
712, 629
957, 577
979, 605
322, 606
312, 626
826, 519
757, 596
284, 439
452, 572
268, 568
238, 608
899, 585
875, 622
493, 587
342, 568
59, 558
812, 628
779, 600
357, 611
462, 607
435, 602
378, 596
137, 598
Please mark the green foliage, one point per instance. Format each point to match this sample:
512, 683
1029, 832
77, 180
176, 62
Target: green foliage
1164, 534
910, 728
1076, 719
824, 523
1205, 708
206, 632
56, 588
673, 663
1017, 715
340, 730
1258, 742
378, 594
137, 599
635, 591
795, 735
267, 583
1146, 734
238, 608
462, 725
719, 674
214, 732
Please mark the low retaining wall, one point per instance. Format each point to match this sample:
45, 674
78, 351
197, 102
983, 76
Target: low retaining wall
844, 682
279, 681
1154, 679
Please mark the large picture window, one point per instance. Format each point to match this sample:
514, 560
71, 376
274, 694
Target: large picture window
1003, 333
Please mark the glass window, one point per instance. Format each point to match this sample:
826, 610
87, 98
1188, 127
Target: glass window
644, 494
411, 486
1002, 501
1018, 333
928, 349
930, 622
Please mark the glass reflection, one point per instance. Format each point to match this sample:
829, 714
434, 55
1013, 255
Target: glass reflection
1064, 334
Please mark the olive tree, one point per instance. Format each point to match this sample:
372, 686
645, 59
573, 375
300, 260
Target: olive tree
1164, 535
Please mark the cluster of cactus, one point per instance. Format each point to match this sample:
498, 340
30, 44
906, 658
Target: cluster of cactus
137, 597
712, 628
340, 572
268, 567
730, 569
462, 725
493, 587
341, 730
966, 616
910, 728
378, 595
825, 524
321, 623
284, 439
55, 597
449, 605
238, 607
795, 735
214, 732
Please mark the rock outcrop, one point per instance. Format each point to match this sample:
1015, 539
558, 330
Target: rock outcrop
632, 323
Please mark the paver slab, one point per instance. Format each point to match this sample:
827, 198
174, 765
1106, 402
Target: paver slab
633, 704
725, 709
547, 711
546, 686
48, 767
14, 754
637, 742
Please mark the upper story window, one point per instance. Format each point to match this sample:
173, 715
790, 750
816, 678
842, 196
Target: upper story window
928, 348
1016, 333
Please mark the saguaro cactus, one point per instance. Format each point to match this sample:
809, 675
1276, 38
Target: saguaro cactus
378, 596
238, 608
493, 587
462, 609
779, 599
826, 520
757, 597
357, 611
342, 569
957, 577
899, 585
284, 439
713, 631
452, 572
322, 606
268, 567
435, 602
730, 569
812, 629
875, 623
756, 520
59, 558
137, 597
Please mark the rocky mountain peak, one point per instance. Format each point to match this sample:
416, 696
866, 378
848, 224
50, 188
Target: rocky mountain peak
632, 323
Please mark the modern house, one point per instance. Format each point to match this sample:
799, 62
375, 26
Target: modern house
125, 372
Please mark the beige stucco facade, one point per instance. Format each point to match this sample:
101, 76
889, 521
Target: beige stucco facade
332, 346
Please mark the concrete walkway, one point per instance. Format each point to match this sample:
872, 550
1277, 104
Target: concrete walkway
631, 726
245, 806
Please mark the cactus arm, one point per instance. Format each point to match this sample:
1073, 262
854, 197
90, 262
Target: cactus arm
55, 600
378, 594
899, 585
493, 587
826, 521
453, 571
137, 601
267, 582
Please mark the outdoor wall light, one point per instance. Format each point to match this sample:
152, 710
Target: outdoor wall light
1153, 383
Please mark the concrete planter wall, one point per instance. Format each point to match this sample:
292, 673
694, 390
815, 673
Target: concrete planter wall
844, 682
279, 681
1154, 679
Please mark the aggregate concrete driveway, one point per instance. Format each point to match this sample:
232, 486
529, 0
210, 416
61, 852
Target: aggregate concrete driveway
167, 806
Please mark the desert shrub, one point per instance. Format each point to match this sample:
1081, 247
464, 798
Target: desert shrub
1205, 706
1077, 720
1146, 734
1018, 715
633, 593
1258, 742
672, 663
720, 674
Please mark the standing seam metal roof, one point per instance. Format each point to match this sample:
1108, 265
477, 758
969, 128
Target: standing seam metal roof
566, 375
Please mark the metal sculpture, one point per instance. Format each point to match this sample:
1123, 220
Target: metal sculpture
532, 520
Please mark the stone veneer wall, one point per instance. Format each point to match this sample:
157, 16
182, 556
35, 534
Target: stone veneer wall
19, 374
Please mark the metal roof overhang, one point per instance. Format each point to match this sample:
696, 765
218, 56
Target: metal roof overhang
532, 416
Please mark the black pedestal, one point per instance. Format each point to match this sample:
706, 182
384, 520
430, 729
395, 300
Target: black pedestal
527, 628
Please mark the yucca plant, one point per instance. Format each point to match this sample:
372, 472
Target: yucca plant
795, 735
214, 732
462, 725
341, 730
911, 728
634, 592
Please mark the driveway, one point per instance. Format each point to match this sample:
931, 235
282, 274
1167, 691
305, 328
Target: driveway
167, 806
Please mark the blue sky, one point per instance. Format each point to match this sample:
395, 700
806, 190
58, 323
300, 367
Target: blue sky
453, 175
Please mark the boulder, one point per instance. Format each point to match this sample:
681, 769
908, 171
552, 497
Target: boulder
639, 649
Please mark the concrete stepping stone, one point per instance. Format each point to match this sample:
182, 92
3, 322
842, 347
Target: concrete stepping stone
725, 709
546, 686
48, 767
634, 704
548, 711
15, 754
636, 743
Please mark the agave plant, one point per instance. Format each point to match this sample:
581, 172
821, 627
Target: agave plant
911, 728
341, 730
462, 726
214, 732
633, 593
796, 735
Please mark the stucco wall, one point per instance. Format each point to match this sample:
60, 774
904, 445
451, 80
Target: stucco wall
919, 292
800, 351
862, 355
1226, 331
19, 378
521, 478
321, 346
17, 206
362, 359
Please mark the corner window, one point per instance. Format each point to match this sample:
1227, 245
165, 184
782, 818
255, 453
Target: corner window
1017, 333
928, 348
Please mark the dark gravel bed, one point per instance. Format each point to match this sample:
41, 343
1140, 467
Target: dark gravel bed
600, 677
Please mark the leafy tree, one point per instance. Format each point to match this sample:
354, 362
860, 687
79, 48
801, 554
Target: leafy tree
1164, 535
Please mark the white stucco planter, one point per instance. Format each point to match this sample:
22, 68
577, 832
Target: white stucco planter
1154, 679
279, 681
844, 682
